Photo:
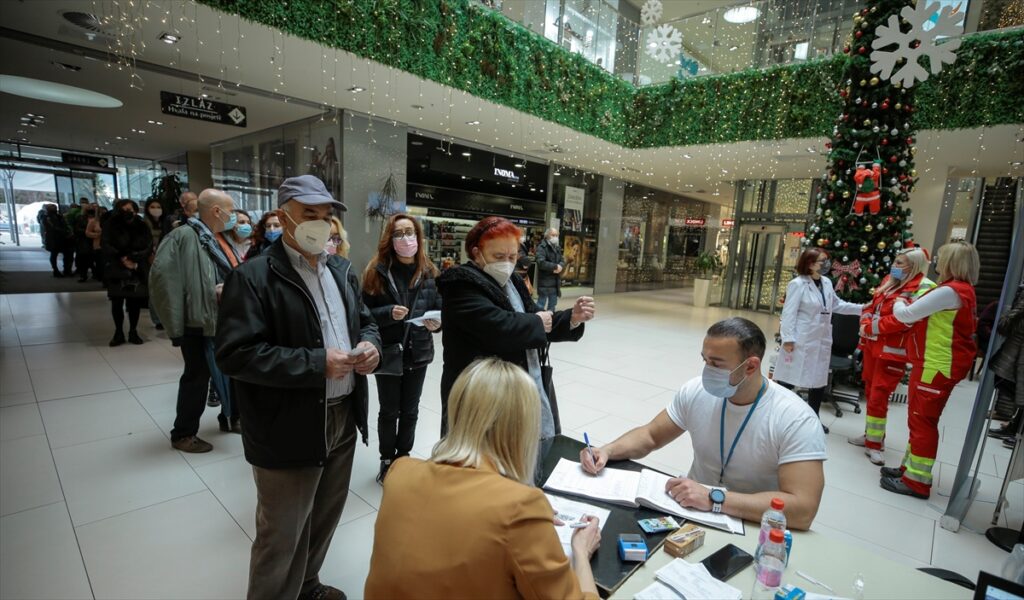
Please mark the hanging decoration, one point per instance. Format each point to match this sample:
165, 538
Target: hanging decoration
650, 12
846, 276
916, 42
868, 179
664, 44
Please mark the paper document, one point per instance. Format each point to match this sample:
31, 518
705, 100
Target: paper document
629, 488
693, 582
569, 512
430, 315
657, 591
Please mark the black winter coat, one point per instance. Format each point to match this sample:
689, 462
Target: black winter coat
479, 321
549, 257
126, 239
419, 347
269, 342
56, 233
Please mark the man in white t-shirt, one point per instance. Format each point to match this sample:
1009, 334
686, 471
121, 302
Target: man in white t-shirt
750, 435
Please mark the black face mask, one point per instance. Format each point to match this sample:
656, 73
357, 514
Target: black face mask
90, 213
127, 216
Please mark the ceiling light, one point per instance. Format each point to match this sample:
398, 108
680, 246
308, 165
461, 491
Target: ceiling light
416, 143
1015, 164
811, 150
472, 122
741, 14
687, 156
356, 89
467, 154
204, 95
520, 165
50, 91
733, 48
418, 106
557, 173
605, 161
169, 38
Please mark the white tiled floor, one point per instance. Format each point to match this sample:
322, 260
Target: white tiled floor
95, 503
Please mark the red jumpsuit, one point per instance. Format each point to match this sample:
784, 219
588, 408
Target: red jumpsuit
885, 355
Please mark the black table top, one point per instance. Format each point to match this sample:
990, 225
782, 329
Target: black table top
609, 571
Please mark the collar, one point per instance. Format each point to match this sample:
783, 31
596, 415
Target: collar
298, 260
197, 222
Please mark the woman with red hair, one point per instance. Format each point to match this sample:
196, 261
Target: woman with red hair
487, 311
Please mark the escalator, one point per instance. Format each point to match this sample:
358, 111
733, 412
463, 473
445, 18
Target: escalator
994, 235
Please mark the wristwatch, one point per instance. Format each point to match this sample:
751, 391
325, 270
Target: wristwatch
717, 496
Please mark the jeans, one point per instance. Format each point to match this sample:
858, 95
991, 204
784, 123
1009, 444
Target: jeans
221, 383
547, 301
297, 511
399, 409
192, 386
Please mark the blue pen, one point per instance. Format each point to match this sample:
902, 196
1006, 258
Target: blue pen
590, 448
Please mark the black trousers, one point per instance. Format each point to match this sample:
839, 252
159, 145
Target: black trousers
399, 410
192, 386
117, 312
814, 396
69, 257
84, 261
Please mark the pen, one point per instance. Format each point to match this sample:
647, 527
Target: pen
815, 581
579, 525
590, 448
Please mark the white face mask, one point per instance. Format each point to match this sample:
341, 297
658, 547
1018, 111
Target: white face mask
716, 381
500, 271
311, 236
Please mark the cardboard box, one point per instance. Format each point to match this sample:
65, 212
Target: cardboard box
684, 540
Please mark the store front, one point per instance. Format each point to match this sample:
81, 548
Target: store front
452, 186
576, 210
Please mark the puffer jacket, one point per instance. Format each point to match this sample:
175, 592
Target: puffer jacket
183, 285
419, 346
270, 343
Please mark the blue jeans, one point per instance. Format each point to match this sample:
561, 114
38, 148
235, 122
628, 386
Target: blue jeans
219, 381
547, 301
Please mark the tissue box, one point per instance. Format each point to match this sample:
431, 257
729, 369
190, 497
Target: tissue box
684, 540
790, 592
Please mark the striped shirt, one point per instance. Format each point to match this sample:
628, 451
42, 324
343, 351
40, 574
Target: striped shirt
331, 309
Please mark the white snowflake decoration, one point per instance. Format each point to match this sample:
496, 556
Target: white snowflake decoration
664, 44
947, 24
650, 12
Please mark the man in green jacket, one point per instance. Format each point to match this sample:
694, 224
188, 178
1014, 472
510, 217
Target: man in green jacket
185, 283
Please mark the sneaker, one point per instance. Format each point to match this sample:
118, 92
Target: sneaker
875, 456
117, 340
857, 441
211, 398
384, 466
192, 445
133, 337
894, 472
323, 592
897, 486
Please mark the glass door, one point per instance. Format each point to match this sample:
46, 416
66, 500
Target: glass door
760, 255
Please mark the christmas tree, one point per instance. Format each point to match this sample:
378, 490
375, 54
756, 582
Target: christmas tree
861, 218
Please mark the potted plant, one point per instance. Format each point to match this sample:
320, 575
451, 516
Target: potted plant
706, 264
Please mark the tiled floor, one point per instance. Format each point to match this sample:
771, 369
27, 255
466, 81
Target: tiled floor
95, 503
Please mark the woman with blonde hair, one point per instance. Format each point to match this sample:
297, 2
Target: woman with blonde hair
883, 348
480, 529
338, 242
940, 348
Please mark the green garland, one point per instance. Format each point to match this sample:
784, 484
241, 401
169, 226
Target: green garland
461, 44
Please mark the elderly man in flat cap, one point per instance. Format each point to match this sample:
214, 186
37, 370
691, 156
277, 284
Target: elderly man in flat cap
294, 336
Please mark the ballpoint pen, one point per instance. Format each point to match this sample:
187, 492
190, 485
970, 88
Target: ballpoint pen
590, 448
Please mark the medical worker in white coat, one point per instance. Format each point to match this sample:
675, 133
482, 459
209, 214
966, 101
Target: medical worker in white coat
807, 327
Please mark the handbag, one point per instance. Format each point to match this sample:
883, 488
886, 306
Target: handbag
392, 355
546, 371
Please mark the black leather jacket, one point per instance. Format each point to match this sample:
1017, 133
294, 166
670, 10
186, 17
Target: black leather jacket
419, 346
269, 342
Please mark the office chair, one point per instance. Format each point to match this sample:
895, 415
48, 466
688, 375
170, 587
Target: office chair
845, 361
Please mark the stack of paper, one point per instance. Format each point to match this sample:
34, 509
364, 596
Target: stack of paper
680, 579
569, 512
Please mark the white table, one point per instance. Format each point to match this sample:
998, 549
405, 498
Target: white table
830, 561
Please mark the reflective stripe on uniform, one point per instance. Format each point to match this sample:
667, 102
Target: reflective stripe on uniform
894, 351
919, 469
938, 350
874, 429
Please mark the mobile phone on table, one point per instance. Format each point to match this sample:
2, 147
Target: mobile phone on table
727, 561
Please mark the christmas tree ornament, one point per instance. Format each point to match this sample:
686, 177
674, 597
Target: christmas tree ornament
650, 12
918, 41
868, 194
868, 228
875, 81
664, 44
881, 246
863, 248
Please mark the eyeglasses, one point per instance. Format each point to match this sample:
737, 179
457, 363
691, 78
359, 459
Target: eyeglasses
403, 233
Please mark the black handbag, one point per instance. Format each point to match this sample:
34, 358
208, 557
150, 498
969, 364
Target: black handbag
549, 386
392, 356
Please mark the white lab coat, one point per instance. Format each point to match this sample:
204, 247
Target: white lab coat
807, 322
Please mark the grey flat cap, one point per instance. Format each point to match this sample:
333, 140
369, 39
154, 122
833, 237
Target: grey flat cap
307, 189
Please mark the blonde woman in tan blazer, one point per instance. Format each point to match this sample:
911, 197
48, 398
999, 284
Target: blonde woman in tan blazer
468, 523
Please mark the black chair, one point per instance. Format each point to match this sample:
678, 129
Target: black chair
950, 576
845, 361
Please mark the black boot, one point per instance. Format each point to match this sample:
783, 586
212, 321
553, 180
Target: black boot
133, 337
223, 421
384, 466
117, 340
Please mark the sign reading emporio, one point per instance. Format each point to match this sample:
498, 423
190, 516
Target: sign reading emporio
506, 173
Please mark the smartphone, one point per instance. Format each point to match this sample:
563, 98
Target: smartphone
357, 351
727, 561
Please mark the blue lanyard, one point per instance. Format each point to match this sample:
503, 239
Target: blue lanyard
721, 437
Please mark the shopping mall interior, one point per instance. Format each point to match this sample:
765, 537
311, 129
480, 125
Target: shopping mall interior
687, 152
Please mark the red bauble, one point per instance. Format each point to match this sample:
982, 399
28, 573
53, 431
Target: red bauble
828, 145
885, 170
885, 141
864, 103
862, 50
846, 49
864, 12
892, 158
910, 140
831, 195
885, 106
859, 34
846, 245
842, 94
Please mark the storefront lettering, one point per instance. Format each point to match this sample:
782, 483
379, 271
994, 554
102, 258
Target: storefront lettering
506, 173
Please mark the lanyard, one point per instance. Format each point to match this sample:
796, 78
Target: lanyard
721, 437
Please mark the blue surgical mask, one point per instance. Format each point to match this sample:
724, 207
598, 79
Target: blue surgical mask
716, 381
243, 231
272, 235
896, 273
231, 222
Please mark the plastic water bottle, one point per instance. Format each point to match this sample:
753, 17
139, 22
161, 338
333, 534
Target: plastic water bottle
1013, 566
769, 565
773, 518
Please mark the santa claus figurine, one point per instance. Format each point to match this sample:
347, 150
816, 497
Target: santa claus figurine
868, 193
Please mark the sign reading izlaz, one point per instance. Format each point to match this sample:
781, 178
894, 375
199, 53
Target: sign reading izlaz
202, 109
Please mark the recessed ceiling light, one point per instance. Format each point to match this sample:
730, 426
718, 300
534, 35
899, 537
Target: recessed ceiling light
687, 156
418, 106
520, 165
463, 176
152, 122
741, 14
472, 122
50, 91
204, 95
1015, 164
169, 38
733, 48
811, 150
356, 89
605, 161
416, 143
466, 154
557, 173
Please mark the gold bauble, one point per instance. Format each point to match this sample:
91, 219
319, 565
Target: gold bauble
864, 249
833, 178
863, 82
867, 122
828, 213
868, 228
872, 291
899, 106
874, 81
846, 195
913, 172
821, 241
881, 245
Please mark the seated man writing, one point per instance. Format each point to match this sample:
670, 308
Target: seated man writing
750, 435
